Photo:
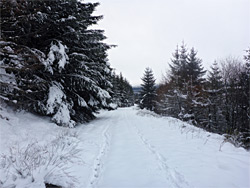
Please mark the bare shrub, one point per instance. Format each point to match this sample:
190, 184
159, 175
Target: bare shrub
34, 165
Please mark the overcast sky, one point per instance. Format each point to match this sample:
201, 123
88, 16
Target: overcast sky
148, 31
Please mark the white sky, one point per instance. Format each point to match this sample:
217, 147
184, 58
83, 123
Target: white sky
147, 32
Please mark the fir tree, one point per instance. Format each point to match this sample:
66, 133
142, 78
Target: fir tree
183, 65
178, 66
174, 96
175, 67
148, 92
195, 102
194, 70
215, 108
178, 83
59, 65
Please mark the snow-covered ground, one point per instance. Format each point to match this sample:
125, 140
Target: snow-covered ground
124, 148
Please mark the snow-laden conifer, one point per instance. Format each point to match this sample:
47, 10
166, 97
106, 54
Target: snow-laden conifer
47, 45
148, 93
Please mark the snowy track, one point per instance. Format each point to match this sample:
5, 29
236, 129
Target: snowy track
128, 162
176, 179
98, 163
143, 150
140, 150
132, 148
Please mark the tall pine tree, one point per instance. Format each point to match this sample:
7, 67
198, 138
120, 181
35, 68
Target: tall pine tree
148, 93
216, 118
195, 102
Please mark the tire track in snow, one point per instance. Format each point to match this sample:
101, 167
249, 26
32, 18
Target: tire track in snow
171, 175
98, 165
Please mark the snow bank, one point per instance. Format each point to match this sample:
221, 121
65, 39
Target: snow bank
36, 164
127, 147
204, 159
35, 151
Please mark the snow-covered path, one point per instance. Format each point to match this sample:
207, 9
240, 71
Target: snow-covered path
130, 161
136, 149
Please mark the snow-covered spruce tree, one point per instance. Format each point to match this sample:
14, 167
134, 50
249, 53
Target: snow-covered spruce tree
179, 67
216, 119
148, 93
176, 88
194, 70
57, 65
21, 67
196, 100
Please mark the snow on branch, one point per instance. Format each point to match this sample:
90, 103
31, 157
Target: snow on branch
57, 54
58, 106
54, 98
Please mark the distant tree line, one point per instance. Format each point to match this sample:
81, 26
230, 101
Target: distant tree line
123, 95
219, 102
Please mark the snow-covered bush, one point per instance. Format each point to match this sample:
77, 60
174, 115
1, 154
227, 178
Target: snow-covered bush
147, 113
58, 106
34, 165
238, 139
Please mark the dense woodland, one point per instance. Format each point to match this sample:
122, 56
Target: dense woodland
218, 102
53, 64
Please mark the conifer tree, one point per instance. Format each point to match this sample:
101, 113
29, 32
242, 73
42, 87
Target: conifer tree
58, 64
195, 103
178, 66
215, 108
194, 70
183, 66
178, 83
175, 67
148, 93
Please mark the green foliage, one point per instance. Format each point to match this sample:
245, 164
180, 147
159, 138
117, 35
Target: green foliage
148, 94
